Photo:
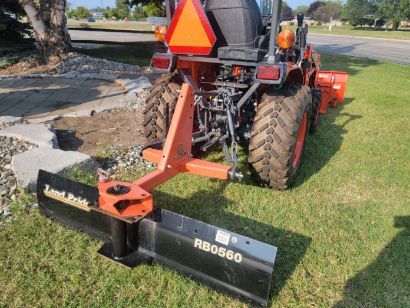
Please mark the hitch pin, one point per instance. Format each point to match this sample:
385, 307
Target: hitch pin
235, 175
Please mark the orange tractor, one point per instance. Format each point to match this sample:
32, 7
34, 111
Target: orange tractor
232, 76
249, 89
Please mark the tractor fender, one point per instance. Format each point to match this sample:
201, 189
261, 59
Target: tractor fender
294, 74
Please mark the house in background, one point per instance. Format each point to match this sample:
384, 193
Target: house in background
308, 20
97, 15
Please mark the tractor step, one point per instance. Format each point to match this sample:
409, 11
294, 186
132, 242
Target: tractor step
229, 262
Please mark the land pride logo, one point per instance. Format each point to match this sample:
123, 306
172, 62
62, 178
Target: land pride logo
67, 198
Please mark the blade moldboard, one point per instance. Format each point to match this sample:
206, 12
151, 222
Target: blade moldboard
91, 222
200, 251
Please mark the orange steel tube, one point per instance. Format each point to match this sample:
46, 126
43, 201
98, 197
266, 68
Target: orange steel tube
176, 157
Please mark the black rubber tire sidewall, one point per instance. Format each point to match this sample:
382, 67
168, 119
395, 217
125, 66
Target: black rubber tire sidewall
163, 94
274, 135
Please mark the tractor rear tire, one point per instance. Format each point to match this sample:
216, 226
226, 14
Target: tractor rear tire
278, 135
160, 103
316, 98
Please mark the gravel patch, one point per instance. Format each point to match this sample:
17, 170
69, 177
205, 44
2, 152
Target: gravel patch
125, 159
86, 64
136, 102
8, 181
74, 65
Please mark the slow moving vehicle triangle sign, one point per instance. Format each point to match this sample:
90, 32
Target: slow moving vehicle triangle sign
190, 31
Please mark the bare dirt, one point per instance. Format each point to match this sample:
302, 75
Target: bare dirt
96, 134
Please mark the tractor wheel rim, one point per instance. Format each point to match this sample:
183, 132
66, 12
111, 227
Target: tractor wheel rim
300, 141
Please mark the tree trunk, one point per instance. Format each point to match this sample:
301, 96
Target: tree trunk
395, 25
50, 27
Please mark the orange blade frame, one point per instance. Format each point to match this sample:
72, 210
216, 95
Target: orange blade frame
176, 157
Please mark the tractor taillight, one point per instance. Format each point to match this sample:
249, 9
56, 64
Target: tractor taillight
162, 62
268, 73
160, 33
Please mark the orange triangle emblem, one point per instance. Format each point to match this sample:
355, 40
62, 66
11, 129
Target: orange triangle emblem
190, 31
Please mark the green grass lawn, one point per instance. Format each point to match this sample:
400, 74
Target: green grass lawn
136, 54
111, 25
342, 232
401, 34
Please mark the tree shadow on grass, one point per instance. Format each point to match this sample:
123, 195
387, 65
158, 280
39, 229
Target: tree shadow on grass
386, 281
332, 60
339, 49
320, 147
209, 206
325, 143
380, 29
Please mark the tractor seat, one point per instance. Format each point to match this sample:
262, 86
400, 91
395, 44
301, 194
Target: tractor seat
236, 23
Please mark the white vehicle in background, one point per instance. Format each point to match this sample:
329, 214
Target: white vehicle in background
157, 21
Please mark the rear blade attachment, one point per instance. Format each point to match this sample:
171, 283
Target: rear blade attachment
223, 260
72, 204
231, 263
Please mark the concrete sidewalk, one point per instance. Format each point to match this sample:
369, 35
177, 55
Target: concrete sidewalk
43, 97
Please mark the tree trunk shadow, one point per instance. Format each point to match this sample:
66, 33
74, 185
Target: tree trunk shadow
386, 281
